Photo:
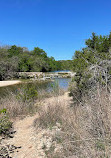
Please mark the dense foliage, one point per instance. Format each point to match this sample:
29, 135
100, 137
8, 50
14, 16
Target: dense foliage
92, 65
5, 123
19, 59
64, 64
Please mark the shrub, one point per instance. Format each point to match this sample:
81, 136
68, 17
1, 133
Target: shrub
27, 93
92, 66
5, 123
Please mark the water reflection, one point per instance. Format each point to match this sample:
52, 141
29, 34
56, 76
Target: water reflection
47, 86
63, 82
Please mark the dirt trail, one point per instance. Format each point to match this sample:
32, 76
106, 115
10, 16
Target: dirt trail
27, 137
24, 138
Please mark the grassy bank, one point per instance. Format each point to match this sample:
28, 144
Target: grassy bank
23, 100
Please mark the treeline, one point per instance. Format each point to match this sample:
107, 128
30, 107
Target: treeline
19, 59
92, 65
65, 64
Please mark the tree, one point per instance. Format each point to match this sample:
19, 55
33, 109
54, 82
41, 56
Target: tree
15, 51
39, 52
92, 66
92, 42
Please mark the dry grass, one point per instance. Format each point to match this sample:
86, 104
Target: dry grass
43, 94
21, 104
79, 131
17, 108
84, 130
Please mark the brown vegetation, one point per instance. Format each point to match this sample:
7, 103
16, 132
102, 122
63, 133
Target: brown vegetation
65, 129
83, 131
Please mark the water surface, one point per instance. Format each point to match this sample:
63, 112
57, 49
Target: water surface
47, 86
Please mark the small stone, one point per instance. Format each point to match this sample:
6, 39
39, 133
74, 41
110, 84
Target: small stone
58, 124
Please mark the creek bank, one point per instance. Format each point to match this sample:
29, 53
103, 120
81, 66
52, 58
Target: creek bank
45, 75
9, 83
39, 76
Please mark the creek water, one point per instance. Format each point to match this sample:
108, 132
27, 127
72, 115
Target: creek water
63, 83
62, 71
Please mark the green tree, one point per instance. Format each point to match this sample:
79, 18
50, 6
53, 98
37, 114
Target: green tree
15, 51
39, 52
92, 65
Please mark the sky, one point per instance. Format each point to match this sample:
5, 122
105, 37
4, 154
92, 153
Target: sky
58, 26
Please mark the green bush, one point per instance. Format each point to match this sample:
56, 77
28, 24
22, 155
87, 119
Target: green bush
3, 111
27, 93
5, 123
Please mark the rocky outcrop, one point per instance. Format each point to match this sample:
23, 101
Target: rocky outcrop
45, 76
35, 75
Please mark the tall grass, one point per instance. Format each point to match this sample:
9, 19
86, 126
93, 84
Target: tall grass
23, 101
85, 129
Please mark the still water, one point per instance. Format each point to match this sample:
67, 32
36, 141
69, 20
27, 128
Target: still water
63, 83
62, 71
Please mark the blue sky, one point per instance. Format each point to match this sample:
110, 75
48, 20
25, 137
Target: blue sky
58, 26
